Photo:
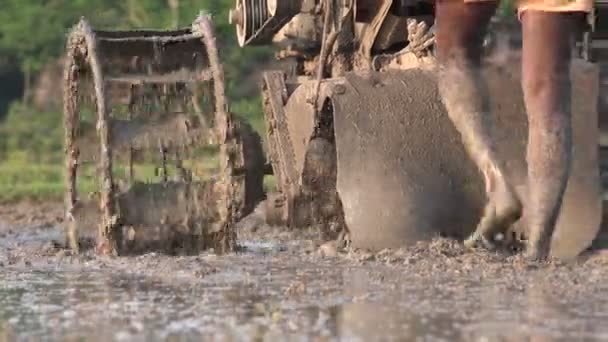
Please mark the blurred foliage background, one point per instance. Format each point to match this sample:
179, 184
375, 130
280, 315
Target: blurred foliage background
32, 41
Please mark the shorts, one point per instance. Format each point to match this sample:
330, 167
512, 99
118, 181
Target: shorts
551, 5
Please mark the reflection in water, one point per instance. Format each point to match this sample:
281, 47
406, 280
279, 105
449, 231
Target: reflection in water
551, 314
398, 315
261, 299
537, 315
543, 310
6, 333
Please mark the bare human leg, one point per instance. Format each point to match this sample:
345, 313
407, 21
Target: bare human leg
547, 48
460, 30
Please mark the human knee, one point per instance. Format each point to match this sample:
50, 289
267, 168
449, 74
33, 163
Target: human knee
460, 30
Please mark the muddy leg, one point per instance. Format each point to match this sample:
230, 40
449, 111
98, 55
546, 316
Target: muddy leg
460, 32
546, 86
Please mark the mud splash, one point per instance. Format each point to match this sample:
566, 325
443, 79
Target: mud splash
278, 286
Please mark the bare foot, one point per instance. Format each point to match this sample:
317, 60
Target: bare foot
537, 249
502, 210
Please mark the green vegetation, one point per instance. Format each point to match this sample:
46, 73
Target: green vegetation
32, 35
506, 8
30, 155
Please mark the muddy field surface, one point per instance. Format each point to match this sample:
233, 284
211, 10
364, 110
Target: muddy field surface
288, 286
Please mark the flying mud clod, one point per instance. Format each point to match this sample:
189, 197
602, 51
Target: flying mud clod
146, 117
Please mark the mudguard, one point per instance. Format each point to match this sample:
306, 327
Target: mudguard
403, 174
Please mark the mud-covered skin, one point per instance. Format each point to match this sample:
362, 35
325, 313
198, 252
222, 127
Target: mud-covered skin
460, 33
546, 87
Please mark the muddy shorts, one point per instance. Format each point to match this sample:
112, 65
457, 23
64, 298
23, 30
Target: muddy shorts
551, 5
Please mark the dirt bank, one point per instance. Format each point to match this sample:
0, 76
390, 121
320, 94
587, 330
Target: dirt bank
30, 213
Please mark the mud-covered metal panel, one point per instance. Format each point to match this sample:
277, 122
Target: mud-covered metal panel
175, 56
403, 174
401, 167
280, 146
300, 122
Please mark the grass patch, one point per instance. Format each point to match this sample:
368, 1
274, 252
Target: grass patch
252, 111
20, 179
39, 182
35, 182
31, 191
32, 160
43, 182
270, 183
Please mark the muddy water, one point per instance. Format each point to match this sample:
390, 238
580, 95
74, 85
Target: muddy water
280, 287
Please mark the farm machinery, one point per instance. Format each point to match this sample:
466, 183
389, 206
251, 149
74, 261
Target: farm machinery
143, 110
357, 131
357, 137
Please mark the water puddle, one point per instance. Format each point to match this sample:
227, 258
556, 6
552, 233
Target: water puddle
267, 293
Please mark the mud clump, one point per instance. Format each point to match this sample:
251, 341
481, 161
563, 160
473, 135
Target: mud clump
449, 258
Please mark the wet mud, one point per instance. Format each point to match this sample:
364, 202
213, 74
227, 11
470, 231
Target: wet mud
285, 285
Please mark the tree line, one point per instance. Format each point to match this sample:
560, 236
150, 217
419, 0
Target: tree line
33, 33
